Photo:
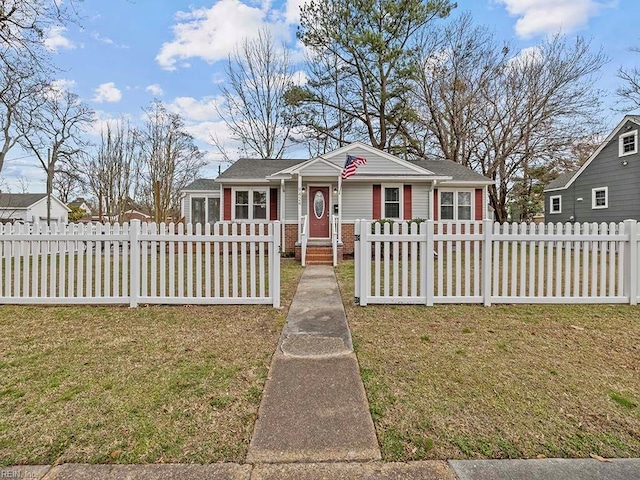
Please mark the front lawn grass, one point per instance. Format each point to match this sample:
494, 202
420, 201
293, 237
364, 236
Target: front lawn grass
119, 385
467, 381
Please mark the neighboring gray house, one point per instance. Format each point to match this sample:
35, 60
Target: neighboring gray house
260, 191
606, 188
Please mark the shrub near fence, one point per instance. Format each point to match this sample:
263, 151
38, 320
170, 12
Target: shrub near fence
483, 262
140, 263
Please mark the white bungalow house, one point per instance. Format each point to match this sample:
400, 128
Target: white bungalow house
31, 208
385, 187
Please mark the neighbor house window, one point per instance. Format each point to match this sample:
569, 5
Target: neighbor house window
600, 197
456, 205
392, 202
628, 143
251, 204
555, 204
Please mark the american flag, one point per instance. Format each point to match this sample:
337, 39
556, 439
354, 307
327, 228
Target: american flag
351, 165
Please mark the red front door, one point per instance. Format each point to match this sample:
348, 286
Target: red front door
319, 202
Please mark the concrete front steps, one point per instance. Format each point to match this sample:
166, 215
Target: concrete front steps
319, 255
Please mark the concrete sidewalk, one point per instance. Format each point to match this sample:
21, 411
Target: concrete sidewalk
547, 469
314, 408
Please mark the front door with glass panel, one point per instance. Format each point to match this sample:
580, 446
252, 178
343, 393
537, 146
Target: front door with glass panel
319, 204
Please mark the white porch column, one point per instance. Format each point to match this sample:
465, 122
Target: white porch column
340, 208
485, 202
299, 208
282, 215
431, 199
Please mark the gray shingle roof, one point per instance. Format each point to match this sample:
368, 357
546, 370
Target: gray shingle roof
19, 200
251, 168
560, 181
452, 169
205, 184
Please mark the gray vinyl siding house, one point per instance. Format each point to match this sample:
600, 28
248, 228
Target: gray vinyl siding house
289, 191
606, 188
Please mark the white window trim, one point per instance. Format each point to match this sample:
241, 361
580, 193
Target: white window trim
455, 204
400, 188
551, 199
593, 198
250, 190
633, 133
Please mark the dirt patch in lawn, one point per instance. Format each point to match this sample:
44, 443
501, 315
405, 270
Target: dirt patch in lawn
466, 381
119, 385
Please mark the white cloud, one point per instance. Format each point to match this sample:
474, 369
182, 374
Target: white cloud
292, 10
63, 84
55, 40
194, 110
212, 33
107, 92
106, 40
551, 16
155, 90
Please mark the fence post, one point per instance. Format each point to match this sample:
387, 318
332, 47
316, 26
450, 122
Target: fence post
631, 261
357, 260
365, 263
134, 262
428, 270
274, 281
487, 260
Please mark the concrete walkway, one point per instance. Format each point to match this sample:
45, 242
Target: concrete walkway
314, 408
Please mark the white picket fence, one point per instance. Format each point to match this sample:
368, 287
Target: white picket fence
140, 263
486, 262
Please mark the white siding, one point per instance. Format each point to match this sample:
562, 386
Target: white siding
38, 211
291, 200
420, 201
357, 200
375, 164
320, 169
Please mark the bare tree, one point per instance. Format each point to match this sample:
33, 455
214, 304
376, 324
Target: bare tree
505, 113
254, 109
56, 135
110, 170
629, 91
169, 161
24, 24
20, 84
66, 184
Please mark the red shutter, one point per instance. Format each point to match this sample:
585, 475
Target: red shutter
407, 202
377, 201
436, 202
273, 204
479, 205
226, 213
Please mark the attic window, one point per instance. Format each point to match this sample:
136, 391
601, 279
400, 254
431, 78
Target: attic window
628, 144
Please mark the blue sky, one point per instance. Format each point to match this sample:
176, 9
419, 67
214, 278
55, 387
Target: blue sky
125, 53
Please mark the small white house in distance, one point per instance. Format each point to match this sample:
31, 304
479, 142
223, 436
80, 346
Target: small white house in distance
31, 208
